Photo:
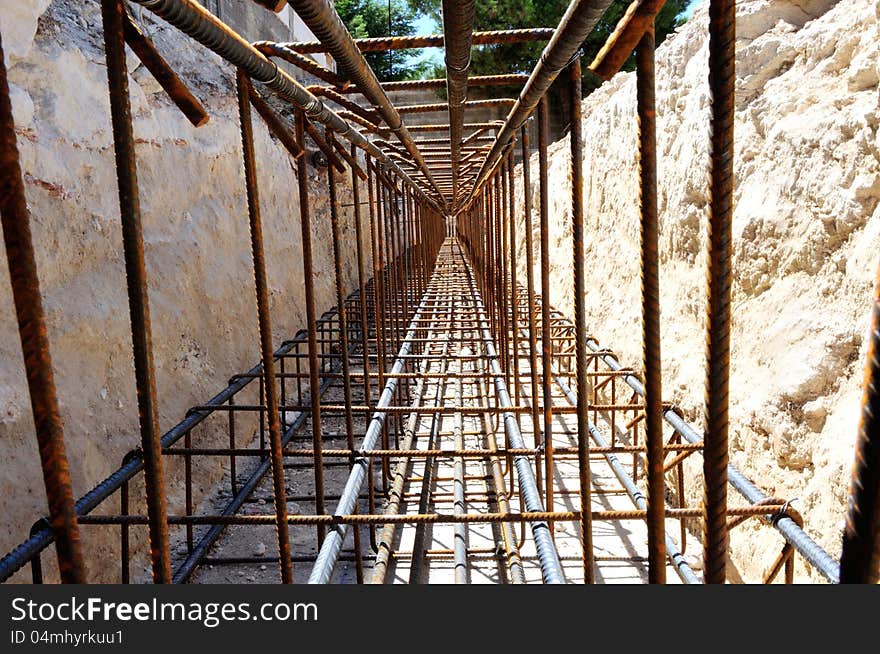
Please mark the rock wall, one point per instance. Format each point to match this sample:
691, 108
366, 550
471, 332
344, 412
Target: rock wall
807, 237
197, 253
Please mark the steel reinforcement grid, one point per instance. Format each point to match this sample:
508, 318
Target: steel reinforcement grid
444, 422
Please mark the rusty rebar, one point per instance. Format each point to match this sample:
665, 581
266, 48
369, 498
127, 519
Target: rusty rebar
546, 336
722, 41
382, 43
860, 558
531, 306
113, 14
579, 265
458, 28
267, 357
143, 47
322, 19
27, 299
302, 179
650, 267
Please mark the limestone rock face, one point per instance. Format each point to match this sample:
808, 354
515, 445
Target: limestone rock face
197, 245
807, 238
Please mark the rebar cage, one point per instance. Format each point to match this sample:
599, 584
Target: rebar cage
444, 422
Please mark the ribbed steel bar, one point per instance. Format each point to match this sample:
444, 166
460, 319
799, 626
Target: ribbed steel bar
860, 558
267, 358
20, 259
362, 286
272, 49
442, 106
675, 556
509, 79
579, 265
546, 335
396, 493
382, 43
322, 19
793, 533
722, 42
531, 306
633, 25
275, 124
576, 24
113, 14
302, 179
194, 20
551, 567
458, 28
650, 267
144, 49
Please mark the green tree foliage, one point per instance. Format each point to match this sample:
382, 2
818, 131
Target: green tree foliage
516, 14
369, 18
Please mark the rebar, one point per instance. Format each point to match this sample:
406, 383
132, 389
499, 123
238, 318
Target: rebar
439, 323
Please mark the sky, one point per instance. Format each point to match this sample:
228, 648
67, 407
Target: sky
426, 25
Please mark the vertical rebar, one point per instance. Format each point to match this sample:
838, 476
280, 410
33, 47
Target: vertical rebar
113, 14
531, 306
28, 302
860, 558
580, 318
362, 289
722, 41
302, 178
650, 266
546, 333
267, 357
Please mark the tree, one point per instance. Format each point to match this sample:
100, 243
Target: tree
370, 18
516, 14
